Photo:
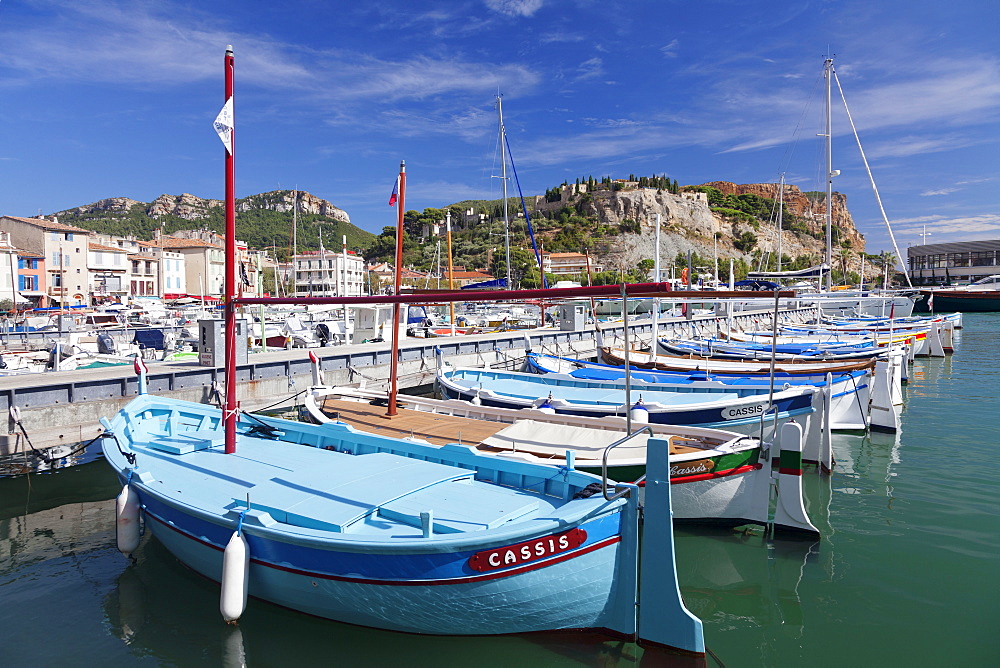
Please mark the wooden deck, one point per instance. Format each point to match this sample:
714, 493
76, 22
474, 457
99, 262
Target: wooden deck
436, 429
442, 429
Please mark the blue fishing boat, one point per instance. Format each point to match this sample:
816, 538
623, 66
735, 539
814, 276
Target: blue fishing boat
388, 533
392, 534
706, 405
728, 349
850, 392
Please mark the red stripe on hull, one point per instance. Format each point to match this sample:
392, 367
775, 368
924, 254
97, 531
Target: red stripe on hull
413, 583
711, 476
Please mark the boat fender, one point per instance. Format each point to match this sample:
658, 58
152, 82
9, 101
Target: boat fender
235, 576
127, 519
546, 406
317, 372
639, 413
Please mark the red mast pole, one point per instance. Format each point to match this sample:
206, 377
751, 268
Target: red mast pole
230, 412
394, 362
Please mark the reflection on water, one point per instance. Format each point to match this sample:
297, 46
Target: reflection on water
904, 573
160, 608
29, 460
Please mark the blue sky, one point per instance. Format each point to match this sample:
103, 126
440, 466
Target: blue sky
101, 98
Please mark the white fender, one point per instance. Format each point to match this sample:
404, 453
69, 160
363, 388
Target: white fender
789, 510
317, 373
127, 521
639, 413
235, 577
546, 406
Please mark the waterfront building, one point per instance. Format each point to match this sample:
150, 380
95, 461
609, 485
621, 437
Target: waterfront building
9, 273
462, 278
326, 273
31, 278
65, 249
203, 262
964, 261
107, 267
569, 264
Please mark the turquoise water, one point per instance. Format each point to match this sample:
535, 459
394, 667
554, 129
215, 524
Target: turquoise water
907, 571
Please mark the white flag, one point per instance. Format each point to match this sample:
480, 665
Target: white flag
224, 125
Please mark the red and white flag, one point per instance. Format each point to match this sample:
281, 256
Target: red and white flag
395, 193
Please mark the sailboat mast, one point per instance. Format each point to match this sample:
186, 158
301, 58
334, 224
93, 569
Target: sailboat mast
394, 359
451, 271
295, 241
656, 279
346, 292
229, 415
503, 180
828, 76
781, 210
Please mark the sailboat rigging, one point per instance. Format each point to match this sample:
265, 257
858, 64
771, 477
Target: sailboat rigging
504, 156
830, 74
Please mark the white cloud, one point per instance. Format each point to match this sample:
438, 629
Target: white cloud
670, 50
515, 7
940, 191
591, 68
974, 226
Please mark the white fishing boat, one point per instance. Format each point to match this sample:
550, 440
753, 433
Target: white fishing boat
720, 477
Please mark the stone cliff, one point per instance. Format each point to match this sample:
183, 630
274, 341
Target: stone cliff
812, 209
190, 207
690, 224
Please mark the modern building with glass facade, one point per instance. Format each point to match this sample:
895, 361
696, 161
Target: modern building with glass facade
940, 264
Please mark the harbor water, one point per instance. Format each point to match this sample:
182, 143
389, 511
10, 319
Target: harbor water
907, 571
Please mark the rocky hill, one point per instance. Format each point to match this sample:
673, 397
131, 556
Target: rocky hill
261, 220
697, 220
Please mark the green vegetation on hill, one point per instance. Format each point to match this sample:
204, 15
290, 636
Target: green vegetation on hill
478, 240
258, 226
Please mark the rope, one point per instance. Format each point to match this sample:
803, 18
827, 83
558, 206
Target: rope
129, 456
560, 470
239, 523
278, 403
218, 394
41, 454
354, 371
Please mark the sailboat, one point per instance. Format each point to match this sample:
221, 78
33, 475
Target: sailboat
844, 302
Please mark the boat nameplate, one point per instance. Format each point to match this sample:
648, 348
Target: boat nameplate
740, 412
697, 467
532, 550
